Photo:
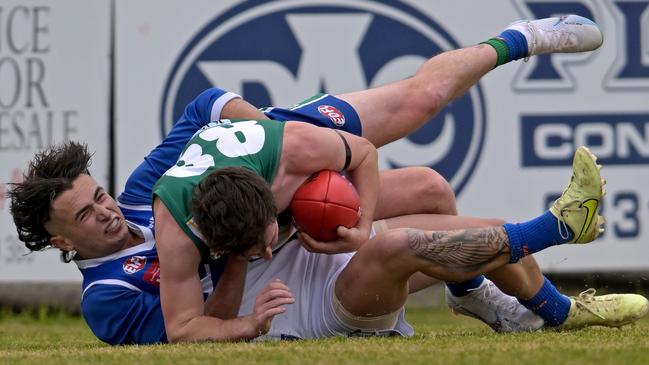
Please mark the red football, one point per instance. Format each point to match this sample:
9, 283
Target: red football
324, 202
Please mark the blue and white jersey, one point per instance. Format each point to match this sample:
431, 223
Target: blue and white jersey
121, 292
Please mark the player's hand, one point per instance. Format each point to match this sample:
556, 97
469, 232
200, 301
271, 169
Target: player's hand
349, 240
269, 303
354, 237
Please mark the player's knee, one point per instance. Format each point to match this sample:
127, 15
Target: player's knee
423, 97
435, 191
389, 248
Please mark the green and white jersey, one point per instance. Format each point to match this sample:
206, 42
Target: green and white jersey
253, 144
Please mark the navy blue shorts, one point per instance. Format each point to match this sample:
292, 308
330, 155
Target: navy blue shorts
323, 110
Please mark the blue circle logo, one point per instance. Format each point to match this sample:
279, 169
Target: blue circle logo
277, 53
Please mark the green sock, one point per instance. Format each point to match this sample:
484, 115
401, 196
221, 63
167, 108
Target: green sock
501, 50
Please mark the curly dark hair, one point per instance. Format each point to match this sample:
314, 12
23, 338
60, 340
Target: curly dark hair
50, 173
232, 208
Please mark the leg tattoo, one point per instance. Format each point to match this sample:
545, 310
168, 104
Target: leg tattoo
463, 250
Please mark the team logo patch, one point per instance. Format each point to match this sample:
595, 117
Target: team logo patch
134, 264
284, 61
333, 114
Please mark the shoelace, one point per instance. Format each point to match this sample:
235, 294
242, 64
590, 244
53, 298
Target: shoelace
586, 297
512, 303
561, 223
555, 38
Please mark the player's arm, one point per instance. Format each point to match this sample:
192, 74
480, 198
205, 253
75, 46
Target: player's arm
225, 300
181, 293
308, 149
180, 288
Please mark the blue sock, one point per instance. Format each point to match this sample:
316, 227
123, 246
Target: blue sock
464, 288
516, 43
549, 304
535, 235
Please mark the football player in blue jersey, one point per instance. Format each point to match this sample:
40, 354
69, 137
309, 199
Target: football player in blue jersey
121, 265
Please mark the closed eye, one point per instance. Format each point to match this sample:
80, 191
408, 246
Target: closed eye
83, 215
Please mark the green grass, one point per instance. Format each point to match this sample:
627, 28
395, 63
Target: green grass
441, 339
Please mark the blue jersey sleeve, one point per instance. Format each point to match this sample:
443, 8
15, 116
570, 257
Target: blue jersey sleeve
121, 316
201, 111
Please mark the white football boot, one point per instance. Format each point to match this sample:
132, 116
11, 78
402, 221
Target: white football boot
564, 34
501, 312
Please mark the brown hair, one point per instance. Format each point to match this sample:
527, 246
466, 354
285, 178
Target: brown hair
232, 208
50, 173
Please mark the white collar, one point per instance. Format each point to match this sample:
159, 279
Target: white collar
140, 231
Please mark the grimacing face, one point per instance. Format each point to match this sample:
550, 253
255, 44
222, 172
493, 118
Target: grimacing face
86, 219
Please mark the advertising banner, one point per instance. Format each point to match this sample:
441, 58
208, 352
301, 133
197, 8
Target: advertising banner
54, 87
505, 146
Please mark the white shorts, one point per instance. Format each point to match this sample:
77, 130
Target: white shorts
311, 278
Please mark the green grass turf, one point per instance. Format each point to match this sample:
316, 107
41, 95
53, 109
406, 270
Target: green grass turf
441, 339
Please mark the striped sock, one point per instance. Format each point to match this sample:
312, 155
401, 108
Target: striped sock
510, 45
